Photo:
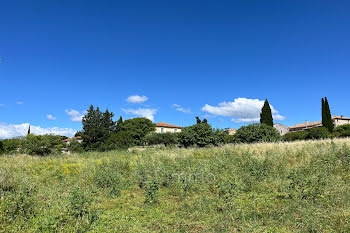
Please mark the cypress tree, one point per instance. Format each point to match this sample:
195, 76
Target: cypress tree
323, 113
28, 130
266, 114
328, 117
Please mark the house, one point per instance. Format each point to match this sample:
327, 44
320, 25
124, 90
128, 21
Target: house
340, 120
230, 131
68, 140
305, 126
282, 129
167, 128
337, 121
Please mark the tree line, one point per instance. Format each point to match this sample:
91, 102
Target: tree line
101, 133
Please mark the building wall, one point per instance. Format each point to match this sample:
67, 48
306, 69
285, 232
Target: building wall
167, 130
282, 129
338, 122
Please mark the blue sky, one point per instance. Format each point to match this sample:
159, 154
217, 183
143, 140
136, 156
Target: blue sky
207, 58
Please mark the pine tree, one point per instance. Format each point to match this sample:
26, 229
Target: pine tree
266, 114
205, 121
97, 127
28, 130
327, 121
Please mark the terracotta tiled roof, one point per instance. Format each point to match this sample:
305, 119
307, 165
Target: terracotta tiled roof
307, 125
341, 117
166, 125
70, 139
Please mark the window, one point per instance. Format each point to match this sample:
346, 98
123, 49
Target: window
175, 130
162, 130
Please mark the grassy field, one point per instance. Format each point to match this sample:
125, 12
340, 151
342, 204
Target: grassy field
275, 187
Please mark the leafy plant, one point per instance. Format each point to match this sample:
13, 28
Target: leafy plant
257, 133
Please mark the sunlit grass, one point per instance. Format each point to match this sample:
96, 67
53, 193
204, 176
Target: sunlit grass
264, 187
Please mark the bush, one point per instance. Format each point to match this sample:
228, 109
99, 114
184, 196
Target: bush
201, 135
2, 149
318, 133
75, 147
138, 128
42, 144
161, 138
257, 133
294, 136
11, 145
342, 131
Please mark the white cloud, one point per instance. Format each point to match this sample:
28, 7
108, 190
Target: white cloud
19, 102
75, 115
181, 109
50, 117
10, 131
136, 99
142, 112
242, 110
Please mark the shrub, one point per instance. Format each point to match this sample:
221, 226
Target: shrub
342, 130
201, 135
318, 133
12, 145
75, 146
257, 133
294, 136
2, 149
138, 128
161, 138
42, 144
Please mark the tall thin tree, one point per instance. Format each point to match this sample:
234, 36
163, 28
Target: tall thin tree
266, 114
327, 121
28, 130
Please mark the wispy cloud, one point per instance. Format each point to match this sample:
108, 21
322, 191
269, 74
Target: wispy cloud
136, 99
142, 112
181, 109
75, 115
19, 102
241, 110
2, 105
50, 117
10, 131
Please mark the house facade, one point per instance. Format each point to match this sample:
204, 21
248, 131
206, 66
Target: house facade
337, 121
167, 128
68, 140
230, 131
340, 120
282, 129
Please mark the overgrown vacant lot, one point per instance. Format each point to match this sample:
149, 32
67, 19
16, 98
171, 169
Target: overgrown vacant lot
282, 187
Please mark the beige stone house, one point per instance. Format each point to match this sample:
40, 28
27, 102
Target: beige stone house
230, 131
337, 121
167, 128
340, 120
282, 129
